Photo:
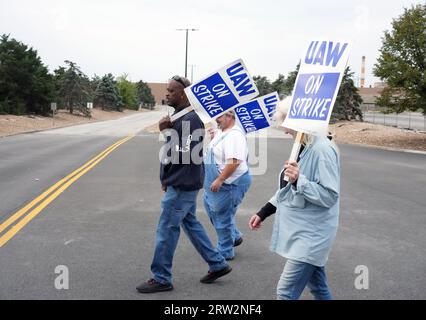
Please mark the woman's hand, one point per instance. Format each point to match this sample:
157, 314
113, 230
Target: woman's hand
291, 170
215, 186
255, 222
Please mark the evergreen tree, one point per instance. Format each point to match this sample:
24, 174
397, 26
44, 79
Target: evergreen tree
57, 77
348, 101
25, 83
74, 89
144, 93
107, 95
279, 85
94, 83
263, 85
287, 87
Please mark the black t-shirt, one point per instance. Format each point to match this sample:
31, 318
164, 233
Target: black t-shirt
182, 155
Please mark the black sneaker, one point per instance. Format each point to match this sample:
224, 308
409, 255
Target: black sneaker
213, 275
238, 242
152, 286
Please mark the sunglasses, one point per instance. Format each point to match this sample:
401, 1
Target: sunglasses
180, 80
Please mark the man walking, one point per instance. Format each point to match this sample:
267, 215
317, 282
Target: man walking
181, 175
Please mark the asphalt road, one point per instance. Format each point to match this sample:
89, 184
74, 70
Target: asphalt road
102, 228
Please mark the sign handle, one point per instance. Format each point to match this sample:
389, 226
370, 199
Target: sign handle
295, 151
181, 113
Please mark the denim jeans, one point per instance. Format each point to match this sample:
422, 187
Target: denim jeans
296, 275
221, 207
179, 208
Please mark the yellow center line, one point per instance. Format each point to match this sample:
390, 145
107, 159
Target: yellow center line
22, 211
70, 179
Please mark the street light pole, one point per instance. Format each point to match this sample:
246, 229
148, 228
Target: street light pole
192, 72
186, 51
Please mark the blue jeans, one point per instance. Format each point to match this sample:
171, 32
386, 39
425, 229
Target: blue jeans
296, 275
221, 207
179, 208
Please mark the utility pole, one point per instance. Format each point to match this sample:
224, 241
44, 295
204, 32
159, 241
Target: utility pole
192, 72
186, 51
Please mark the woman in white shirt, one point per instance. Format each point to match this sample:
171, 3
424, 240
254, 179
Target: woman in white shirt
226, 181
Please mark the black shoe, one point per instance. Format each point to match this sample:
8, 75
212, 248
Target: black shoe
238, 242
152, 286
213, 275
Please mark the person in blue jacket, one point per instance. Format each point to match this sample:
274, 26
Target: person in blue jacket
306, 216
181, 176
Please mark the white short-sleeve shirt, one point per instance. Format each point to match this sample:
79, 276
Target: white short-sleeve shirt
233, 145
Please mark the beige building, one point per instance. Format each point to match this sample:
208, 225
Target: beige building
369, 95
159, 91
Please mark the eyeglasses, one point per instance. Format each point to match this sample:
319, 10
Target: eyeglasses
180, 80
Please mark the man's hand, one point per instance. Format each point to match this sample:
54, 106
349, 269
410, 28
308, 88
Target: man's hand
291, 170
165, 123
215, 186
255, 222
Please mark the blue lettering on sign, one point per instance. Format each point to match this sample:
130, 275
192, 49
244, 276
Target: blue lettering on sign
240, 79
313, 96
328, 51
271, 105
214, 95
251, 116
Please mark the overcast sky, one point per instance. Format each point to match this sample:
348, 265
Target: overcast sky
139, 37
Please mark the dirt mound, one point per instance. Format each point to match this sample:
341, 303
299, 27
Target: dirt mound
378, 135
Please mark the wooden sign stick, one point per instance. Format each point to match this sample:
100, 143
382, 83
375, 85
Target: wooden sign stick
181, 113
295, 151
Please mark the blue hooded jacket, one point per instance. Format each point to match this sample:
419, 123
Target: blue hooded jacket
307, 214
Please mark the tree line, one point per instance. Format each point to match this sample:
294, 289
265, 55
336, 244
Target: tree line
27, 86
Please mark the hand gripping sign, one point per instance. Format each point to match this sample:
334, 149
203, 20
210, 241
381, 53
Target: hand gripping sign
257, 114
221, 91
317, 84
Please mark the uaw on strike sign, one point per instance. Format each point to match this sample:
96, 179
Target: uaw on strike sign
257, 114
322, 66
221, 91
